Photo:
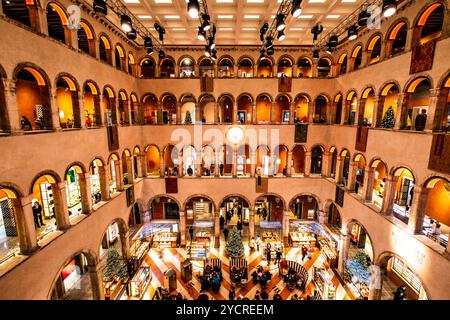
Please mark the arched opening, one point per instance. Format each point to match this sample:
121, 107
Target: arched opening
97, 177
279, 160
127, 167
86, 39
301, 110
324, 68
75, 191
10, 207
207, 108
320, 109
44, 193
19, 10
130, 64
281, 112
119, 57
389, 95
153, 160
135, 112
263, 109
265, 68
245, 68
404, 192
4, 121
150, 109
226, 105
436, 223
304, 68
226, 67
352, 105
298, 161
124, 117
208, 161
226, 160
366, 105
134, 220
235, 211
397, 39
171, 160
345, 167
395, 274
188, 109
268, 221
316, 160
359, 258
263, 163
334, 157
114, 173
379, 182
337, 114
91, 101
109, 105
105, 49
74, 281
357, 57
284, 67
343, 64
206, 68
164, 208
304, 207
137, 166
167, 68
57, 23
33, 100
169, 109
360, 172
418, 95
243, 160
245, 109
189, 156
374, 50
200, 221
187, 67
67, 101
148, 69
334, 217
430, 24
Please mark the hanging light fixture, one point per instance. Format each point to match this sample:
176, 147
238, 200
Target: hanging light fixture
281, 36
316, 53
100, 7
201, 34
352, 32
150, 51
389, 8
270, 51
329, 50
205, 25
269, 42
363, 17
193, 7
148, 43
125, 23
161, 54
316, 30
207, 51
333, 41
280, 22
214, 55
132, 34
296, 9
211, 43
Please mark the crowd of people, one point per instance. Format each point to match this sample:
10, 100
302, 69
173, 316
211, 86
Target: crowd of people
239, 276
261, 276
211, 279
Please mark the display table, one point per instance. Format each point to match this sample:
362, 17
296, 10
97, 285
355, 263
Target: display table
299, 239
328, 252
270, 236
323, 284
165, 240
139, 283
138, 253
199, 248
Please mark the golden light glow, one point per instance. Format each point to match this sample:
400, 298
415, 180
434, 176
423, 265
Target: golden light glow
423, 19
342, 57
412, 87
105, 42
133, 98
344, 153
29, 2
120, 50
123, 96
332, 149
136, 151
373, 42
447, 83
366, 93
110, 92
93, 88
338, 97
39, 78
127, 153
387, 88
396, 30
131, 57
87, 30
356, 51
98, 162
61, 13
77, 169
70, 83
326, 59
114, 157
350, 95
9, 193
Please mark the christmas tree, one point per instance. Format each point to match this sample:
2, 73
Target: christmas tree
188, 119
115, 266
389, 119
234, 247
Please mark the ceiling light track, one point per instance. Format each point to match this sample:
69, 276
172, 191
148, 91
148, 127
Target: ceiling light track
207, 29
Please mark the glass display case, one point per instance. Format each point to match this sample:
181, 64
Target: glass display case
139, 283
325, 288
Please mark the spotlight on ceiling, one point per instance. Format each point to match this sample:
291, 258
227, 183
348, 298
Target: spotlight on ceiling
207, 51
148, 43
296, 9
363, 17
329, 50
270, 51
205, 25
263, 30
211, 43
150, 51
281, 36
132, 34
316, 30
262, 56
160, 30
269, 42
201, 34
352, 32
193, 7
100, 7
333, 41
161, 54
214, 55
316, 53
389, 8
280, 22
125, 23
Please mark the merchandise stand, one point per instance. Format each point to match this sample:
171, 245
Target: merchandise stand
325, 288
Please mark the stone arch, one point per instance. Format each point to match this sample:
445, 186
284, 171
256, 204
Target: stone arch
39, 73
413, 82
201, 196
80, 166
149, 202
249, 203
50, 173
298, 195
271, 194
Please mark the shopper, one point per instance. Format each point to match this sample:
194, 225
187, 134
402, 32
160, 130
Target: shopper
268, 254
252, 244
304, 252
294, 297
222, 221
37, 210
231, 294
225, 233
257, 295
221, 169
258, 242
35, 215
264, 295
190, 172
277, 296
279, 254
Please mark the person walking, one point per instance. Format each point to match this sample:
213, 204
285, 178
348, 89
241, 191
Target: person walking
268, 255
278, 256
225, 233
252, 244
35, 215
304, 252
258, 242
221, 169
231, 294
222, 222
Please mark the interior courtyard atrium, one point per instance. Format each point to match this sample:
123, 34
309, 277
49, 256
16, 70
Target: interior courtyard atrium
224, 149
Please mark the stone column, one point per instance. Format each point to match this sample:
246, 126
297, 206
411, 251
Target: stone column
333, 112
288, 164
344, 245
235, 112
234, 163
291, 112
251, 224
254, 117
311, 107
216, 229
216, 113
339, 168
180, 164
417, 210
119, 175
273, 105
314, 70
125, 244
178, 113
11, 104
378, 104
369, 179
60, 203
54, 110
130, 175
104, 183
143, 162
253, 164
95, 275
307, 163
199, 163
402, 111
162, 165
434, 109
38, 18
84, 180
344, 111
25, 224
389, 195
352, 176
326, 164
182, 228
82, 110
285, 226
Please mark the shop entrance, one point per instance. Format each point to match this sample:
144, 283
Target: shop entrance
44, 205
200, 227
235, 211
304, 208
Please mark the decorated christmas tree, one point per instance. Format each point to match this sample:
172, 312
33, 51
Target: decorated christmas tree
115, 266
389, 119
234, 247
188, 119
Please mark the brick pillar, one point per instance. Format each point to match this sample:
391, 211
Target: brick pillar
119, 175
344, 111
82, 110
60, 203
307, 163
311, 110
129, 164
254, 118
85, 191
288, 164
104, 182
402, 111
352, 176
435, 110
125, 244
369, 179
25, 224
339, 168
182, 228
326, 164
378, 104
216, 113
314, 70
143, 163
234, 163
253, 164
178, 113
217, 229
285, 226
162, 167
235, 112
291, 112
95, 275
344, 245
11, 104
38, 19
251, 224
417, 210
389, 195
54, 110
199, 163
